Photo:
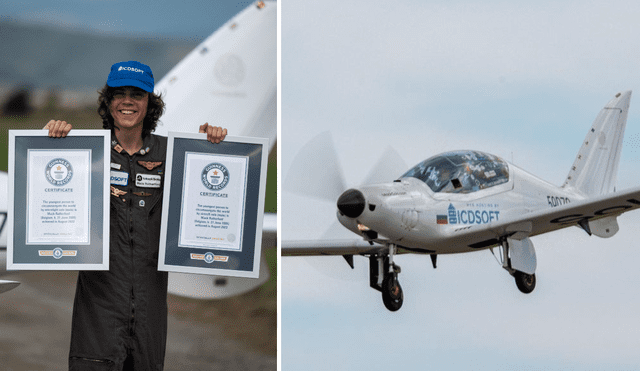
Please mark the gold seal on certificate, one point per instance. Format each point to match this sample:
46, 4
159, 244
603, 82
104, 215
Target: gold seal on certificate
212, 213
58, 207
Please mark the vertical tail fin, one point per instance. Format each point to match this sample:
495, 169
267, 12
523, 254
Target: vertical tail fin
595, 169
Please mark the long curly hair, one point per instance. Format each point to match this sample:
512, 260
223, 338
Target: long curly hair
155, 109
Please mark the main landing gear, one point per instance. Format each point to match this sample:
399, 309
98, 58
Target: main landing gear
387, 282
519, 259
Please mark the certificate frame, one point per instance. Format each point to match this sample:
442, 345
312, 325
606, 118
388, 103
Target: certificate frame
31, 184
212, 258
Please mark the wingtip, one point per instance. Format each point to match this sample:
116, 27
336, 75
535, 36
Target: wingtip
620, 100
626, 93
8, 285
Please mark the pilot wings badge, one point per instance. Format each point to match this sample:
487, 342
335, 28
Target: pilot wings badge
117, 192
149, 165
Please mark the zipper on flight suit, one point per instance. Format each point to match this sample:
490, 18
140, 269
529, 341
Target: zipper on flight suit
92, 360
132, 320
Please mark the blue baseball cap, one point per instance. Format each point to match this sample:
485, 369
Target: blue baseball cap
131, 73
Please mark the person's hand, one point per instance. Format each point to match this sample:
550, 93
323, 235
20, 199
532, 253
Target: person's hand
57, 128
215, 134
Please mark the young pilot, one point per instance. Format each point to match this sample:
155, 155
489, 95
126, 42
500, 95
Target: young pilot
120, 316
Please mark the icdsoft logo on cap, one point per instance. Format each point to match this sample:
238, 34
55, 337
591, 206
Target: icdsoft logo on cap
123, 68
131, 73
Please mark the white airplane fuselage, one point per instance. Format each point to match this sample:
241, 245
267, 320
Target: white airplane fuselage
408, 213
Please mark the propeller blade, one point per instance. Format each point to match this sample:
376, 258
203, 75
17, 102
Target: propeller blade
315, 170
388, 168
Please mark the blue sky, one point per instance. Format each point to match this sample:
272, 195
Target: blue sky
517, 79
195, 19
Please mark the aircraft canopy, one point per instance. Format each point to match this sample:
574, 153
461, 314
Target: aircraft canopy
461, 172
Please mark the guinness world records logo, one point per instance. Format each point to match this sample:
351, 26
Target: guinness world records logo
58, 172
215, 176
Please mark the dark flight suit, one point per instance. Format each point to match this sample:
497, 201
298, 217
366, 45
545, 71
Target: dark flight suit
120, 315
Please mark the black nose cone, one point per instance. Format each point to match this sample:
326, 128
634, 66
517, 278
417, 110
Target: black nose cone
351, 203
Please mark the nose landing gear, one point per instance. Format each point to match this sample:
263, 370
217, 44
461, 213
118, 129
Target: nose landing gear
383, 276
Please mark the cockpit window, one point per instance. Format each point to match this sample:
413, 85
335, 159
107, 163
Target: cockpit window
461, 172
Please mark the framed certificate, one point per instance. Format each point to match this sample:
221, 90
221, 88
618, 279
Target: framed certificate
58, 209
213, 205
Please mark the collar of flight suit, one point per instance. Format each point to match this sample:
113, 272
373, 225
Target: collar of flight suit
146, 144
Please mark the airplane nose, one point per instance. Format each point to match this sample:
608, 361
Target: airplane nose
351, 203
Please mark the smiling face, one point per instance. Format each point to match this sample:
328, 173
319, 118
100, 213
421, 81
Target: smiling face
129, 107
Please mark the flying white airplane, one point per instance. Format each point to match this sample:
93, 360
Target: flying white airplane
466, 201
228, 80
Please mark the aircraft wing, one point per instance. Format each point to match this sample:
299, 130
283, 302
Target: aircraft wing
548, 220
352, 246
269, 229
7, 285
4, 284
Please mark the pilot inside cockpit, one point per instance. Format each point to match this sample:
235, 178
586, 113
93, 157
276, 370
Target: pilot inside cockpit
461, 172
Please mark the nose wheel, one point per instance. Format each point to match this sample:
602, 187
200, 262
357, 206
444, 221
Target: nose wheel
392, 295
383, 276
